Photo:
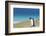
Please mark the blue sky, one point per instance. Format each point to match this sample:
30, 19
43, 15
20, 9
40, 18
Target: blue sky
25, 13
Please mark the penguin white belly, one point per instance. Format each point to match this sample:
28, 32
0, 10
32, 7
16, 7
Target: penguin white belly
31, 22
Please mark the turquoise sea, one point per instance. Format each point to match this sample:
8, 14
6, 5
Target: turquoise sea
21, 14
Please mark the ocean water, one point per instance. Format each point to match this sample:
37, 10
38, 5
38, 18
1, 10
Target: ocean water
21, 14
